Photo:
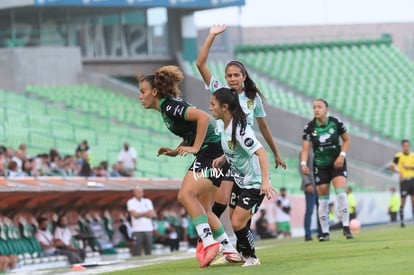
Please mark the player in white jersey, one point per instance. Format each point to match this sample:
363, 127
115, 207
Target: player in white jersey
249, 167
250, 100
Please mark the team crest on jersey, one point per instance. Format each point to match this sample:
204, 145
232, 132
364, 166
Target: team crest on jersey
250, 104
230, 144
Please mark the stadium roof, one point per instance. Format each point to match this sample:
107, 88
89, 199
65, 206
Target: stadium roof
184, 4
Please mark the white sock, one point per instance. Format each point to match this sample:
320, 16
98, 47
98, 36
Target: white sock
343, 208
204, 232
225, 242
323, 213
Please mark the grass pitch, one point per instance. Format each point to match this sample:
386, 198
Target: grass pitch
384, 249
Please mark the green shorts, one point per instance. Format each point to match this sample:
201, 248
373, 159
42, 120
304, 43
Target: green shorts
283, 226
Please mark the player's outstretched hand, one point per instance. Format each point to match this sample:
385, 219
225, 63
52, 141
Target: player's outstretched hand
167, 152
217, 29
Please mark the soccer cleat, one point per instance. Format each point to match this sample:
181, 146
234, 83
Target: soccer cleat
347, 233
251, 261
210, 252
308, 238
234, 257
220, 261
200, 251
324, 237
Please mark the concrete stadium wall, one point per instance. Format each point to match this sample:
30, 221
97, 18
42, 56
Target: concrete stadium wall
20, 67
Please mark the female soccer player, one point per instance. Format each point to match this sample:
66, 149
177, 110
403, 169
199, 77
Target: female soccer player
250, 100
160, 91
249, 167
329, 164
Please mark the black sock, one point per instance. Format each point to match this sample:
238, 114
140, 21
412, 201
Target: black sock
218, 209
402, 214
245, 242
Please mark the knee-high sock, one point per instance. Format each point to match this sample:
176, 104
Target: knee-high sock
218, 209
221, 236
323, 212
401, 214
203, 230
343, 206
245, 242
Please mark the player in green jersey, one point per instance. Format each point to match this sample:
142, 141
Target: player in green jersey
324, 133
160, 91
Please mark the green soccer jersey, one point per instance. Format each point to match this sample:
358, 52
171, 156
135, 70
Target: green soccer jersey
325, 140
173, 112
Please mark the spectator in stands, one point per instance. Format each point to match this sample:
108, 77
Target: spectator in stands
351, 203
3, 163
13, 170
28, 168
42, 164
311, 198
128, 157
7, 262
21, 152
189, 233
57, 163
71, 168
116, 170
165, 233
142, 211
82, 147
64, 236
85, 167
52, 246
283, 208
262, 226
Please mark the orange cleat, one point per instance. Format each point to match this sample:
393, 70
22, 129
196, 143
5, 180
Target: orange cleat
200, 251
210, 252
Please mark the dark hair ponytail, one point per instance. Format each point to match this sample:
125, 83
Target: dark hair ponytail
231, 98
250, 88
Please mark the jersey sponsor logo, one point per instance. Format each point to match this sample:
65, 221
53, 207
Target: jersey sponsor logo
230, 145
249, 142
250, 104
179, 110
324, 138
168, 107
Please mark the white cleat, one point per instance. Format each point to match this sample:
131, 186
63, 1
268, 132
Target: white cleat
234, 257
250, 261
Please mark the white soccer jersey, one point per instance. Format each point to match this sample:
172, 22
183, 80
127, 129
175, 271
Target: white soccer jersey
252, 108
244, 162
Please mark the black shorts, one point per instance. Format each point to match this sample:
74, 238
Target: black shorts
246, 198
204, 160
227, 172
407, 187
325, 174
